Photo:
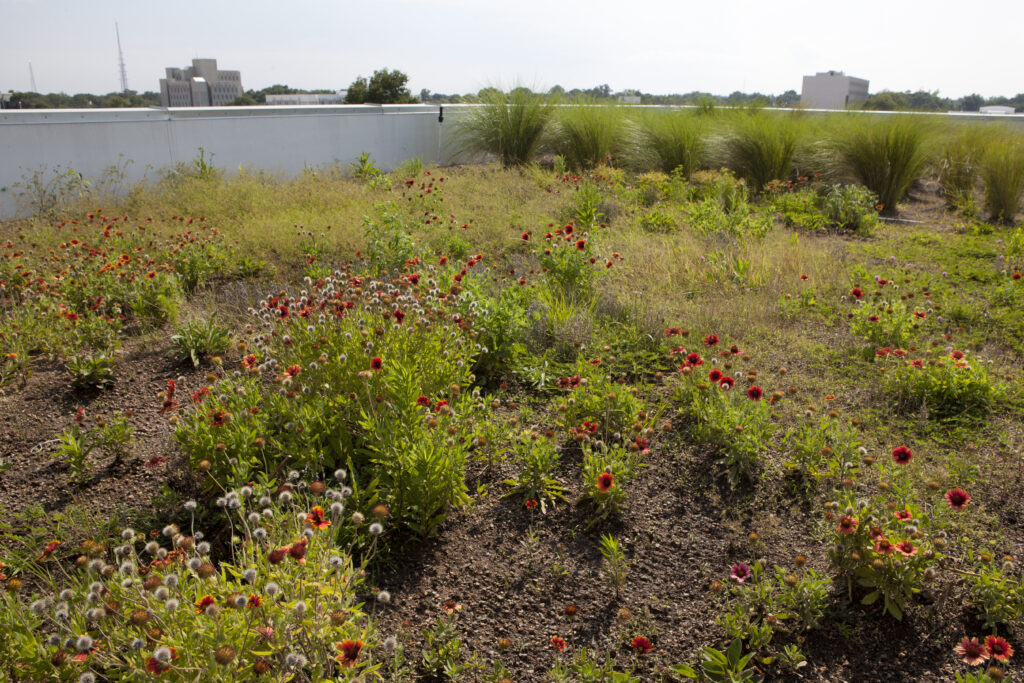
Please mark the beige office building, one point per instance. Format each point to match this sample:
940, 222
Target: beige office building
833, 90
200, 85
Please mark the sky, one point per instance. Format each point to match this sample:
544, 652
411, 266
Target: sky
460, 46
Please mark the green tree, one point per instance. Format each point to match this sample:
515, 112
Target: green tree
384, 87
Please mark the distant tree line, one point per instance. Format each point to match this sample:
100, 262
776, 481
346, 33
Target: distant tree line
34, 100
389, 87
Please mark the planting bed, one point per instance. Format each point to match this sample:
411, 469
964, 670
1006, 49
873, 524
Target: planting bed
524, 424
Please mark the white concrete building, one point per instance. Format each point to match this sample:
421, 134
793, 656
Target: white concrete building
833, 90
200, 85
307, 99
996, 109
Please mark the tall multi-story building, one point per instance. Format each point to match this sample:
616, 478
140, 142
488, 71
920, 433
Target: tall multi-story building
833, 90
200, 85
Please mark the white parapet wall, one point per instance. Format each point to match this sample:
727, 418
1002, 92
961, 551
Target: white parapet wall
277, 139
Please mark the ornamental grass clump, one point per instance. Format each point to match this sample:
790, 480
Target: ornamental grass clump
510, 126
587, 134
760, 148
1002, 169
673, 142
884, 155
285, 600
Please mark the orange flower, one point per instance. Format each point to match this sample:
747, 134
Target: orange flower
202, 604
316, 518
558, 643
605, 482
349, 651
50, 547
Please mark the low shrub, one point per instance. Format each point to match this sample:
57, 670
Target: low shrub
944, 387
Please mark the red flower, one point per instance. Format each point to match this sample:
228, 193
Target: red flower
399, 317
884, 547
857, 293
316, 518
349, 651
711, 340
376, 363
906, 548
604, 482
973, 652
875, 533
805, 277
581, 245
727, 383
642, 645
254, 601
957, 355
715, 376
693, 359
1016, 276
847, 525
904, 515
739, 573
292, 371
423, 401
531, 504
998, 648
755, 393
48, 550
958, 498
526, 236
558, 643
203, 603
902, 455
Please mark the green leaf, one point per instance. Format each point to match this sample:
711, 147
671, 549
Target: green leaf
871, 598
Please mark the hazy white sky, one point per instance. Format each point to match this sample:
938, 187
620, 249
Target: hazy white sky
657, 46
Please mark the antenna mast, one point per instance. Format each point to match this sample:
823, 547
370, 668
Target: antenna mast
32, 77
120, 61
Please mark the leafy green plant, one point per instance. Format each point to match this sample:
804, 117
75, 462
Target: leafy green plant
389, 245
885, 156
536, 482
730, 666
946, 387
199, 339
364, 167
614, 563
997, 594
75, 445
91, 371
605, 470
510, 126
849, 208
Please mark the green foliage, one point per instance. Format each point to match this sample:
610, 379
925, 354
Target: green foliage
708, 218
828, 448
91, 371
536, 481
945, 387
75, 445
1002, 169
44, 192
389, 245
849, 208
364, 167
731, 666
880, 552
199, 339
350, 383
605, 470
510, 126
959, 163
737, 428
384, 87
997, 594
614, 563
760, 148
585, 206
885, 156
884, 323
587, 667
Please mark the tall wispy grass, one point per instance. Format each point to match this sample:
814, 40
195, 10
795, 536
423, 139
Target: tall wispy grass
884, 155
760, 147
672, 141
958, 163
511, 126
588, 134
1002, 169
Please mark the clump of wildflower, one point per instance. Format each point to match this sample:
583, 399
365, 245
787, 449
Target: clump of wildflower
642, 645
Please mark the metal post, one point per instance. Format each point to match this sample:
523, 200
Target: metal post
440, 128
